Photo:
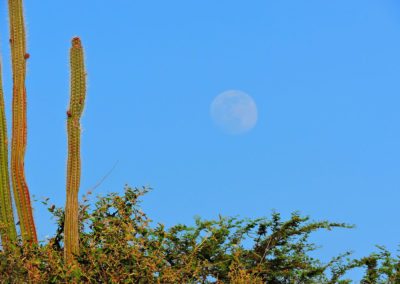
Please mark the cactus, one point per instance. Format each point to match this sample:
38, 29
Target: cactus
77, 100
6, 209
18, 145
19, 125
19, 137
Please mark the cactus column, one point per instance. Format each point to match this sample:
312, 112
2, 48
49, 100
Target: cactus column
19, 124
6, 209
74, 113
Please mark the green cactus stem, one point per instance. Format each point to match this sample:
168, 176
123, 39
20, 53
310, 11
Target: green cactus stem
6, 210
19, 124
74, 113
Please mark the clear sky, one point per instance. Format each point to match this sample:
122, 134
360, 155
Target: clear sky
325, 76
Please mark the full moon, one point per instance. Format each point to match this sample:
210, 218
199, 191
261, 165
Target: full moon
234, 112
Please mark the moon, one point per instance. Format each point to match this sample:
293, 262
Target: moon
234, 112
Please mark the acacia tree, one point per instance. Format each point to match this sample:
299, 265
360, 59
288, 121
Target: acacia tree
121, 245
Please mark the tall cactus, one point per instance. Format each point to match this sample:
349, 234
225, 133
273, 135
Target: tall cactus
6, 209
74, 113
19, 124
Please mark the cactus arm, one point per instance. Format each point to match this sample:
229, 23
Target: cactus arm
19, 123
77, 100
6, 209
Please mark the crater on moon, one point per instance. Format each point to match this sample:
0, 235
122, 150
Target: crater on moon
235, 112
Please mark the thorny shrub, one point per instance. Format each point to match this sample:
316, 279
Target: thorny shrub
119, 244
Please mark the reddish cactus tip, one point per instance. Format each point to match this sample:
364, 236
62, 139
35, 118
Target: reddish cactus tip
26, 55
76, 42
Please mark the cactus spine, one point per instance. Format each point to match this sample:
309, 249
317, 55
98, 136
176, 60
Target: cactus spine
74, 113
6, 209
19, 124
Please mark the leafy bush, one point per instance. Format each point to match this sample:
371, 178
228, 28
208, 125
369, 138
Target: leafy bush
120, 244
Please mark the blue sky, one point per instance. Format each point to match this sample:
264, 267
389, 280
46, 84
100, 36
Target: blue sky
324, 74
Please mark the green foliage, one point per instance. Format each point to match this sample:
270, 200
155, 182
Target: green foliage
119, 243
